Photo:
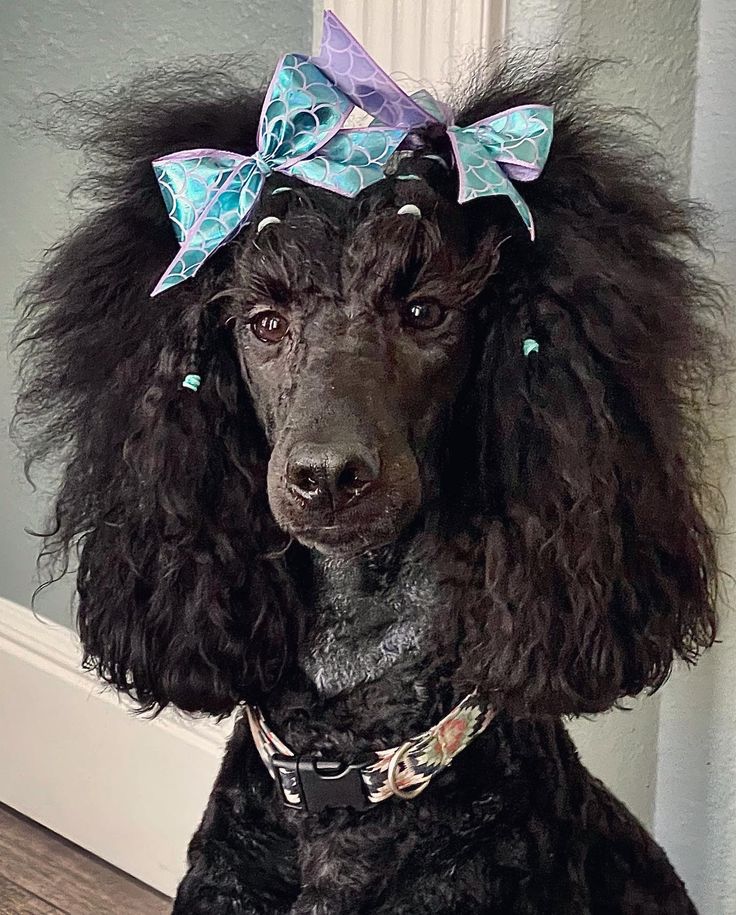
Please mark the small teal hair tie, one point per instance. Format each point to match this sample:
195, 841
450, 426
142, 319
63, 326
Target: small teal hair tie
529, 346
192, 382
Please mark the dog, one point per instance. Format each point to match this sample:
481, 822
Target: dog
439, 479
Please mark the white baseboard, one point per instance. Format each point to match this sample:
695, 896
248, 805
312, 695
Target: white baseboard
74, 758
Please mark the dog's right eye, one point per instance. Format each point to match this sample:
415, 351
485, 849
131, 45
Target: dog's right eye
423, 315
269, 326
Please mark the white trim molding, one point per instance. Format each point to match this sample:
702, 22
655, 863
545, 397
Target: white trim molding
428, 41
76, 759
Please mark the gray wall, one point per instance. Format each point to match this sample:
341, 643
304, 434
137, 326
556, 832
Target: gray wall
60, 46
652, 49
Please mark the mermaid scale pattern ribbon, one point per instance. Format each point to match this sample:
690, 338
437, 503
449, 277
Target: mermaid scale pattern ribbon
510, 146
514, 144
366, 84
209, 193
352, 160
422, 757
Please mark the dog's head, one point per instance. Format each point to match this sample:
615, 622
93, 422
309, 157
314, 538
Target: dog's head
365, 364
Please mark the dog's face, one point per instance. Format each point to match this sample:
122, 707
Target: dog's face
352, 333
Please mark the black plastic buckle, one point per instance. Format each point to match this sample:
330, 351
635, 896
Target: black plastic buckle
325, 783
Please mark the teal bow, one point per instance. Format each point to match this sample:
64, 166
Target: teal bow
210, 193
513, 144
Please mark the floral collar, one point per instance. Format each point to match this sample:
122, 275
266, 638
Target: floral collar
313, 784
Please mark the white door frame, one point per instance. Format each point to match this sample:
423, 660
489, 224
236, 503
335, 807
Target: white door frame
426, 40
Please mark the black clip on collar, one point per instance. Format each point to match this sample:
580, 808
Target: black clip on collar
323, 783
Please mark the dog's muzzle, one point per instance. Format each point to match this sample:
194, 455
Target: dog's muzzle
314, 784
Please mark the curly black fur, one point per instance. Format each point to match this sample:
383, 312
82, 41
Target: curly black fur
558, 560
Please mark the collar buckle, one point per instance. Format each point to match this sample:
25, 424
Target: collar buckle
321, 783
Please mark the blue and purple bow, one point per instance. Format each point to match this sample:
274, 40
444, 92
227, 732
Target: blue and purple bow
210, 193
513, 144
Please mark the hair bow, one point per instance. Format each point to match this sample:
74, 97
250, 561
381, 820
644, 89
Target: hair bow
210, 193
513, 144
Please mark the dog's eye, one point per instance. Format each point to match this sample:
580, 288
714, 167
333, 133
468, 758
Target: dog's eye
269, 326
423, 315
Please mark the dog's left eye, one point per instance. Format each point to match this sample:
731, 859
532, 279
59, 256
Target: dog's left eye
423, 315
269, 326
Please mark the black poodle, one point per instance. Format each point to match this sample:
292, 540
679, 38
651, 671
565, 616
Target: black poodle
439, 481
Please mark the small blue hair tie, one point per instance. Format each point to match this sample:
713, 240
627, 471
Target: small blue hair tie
529, 346
192, 382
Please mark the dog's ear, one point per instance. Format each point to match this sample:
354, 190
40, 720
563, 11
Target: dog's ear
163, 489
599, 566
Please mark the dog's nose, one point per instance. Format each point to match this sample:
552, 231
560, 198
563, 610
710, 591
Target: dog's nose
335, 473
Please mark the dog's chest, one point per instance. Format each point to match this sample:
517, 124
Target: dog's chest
367, 620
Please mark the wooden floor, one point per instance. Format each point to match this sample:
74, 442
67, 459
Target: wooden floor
43, 874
